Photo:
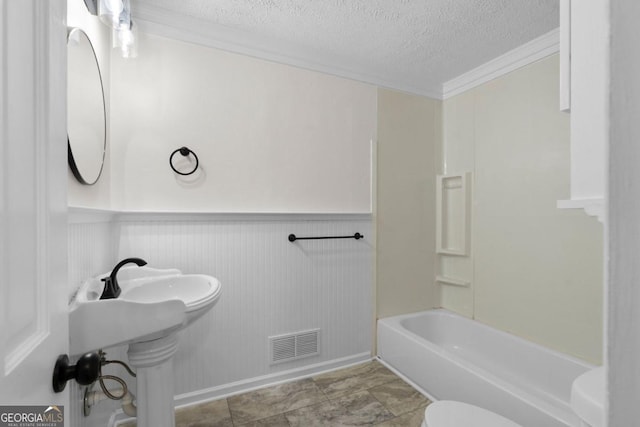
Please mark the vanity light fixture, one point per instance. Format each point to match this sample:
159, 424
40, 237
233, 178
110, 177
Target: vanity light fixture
117, 15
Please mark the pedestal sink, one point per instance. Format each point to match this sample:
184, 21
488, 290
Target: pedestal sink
153, 306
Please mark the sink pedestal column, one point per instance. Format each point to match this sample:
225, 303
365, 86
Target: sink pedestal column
153, 361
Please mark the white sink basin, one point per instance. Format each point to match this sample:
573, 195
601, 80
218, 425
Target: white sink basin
153, 304
587, 397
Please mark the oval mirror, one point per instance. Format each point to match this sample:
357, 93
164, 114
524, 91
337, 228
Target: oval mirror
86, 117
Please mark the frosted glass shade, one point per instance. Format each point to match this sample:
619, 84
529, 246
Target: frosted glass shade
115, 13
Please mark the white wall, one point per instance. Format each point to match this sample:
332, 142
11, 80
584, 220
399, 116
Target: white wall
407, 157
535, 271
270, 137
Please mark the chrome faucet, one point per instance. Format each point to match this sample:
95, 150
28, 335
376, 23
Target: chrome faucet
111, 287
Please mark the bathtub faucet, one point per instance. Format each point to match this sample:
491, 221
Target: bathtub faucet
111, 287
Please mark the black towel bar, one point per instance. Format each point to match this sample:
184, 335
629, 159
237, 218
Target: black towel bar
293, 238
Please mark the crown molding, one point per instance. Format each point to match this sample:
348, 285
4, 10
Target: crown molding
161, 22
528, 53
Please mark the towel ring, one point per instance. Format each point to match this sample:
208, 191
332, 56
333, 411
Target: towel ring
185, 152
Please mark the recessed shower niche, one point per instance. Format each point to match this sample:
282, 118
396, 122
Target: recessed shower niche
452, 214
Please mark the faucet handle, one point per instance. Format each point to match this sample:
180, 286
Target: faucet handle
111, 287
109, 292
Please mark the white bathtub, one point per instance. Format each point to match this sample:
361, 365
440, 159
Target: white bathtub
452, 357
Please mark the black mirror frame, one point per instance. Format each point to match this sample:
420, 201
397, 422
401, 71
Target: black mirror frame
70, 158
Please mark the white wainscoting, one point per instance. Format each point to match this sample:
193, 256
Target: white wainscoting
270, 287
91, 251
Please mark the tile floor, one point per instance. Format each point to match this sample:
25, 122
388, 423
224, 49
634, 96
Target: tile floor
362, 395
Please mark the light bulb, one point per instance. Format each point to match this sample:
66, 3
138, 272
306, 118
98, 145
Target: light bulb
127, 40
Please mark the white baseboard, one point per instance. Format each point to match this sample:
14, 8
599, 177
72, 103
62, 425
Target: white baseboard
226, 390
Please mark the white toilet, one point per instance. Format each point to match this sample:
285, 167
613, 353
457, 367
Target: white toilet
588, 397
448, 413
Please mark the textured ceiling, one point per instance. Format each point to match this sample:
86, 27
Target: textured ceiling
416, 43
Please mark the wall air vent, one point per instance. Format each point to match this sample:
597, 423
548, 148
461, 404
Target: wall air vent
285, 348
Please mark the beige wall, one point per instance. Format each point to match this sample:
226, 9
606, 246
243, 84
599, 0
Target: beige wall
408, 140
535, 270
269, 137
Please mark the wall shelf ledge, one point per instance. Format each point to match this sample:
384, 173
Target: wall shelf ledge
80, 214
444, 280
592, 207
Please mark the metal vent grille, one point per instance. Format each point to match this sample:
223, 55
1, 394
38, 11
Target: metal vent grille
283, 348
294, 346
